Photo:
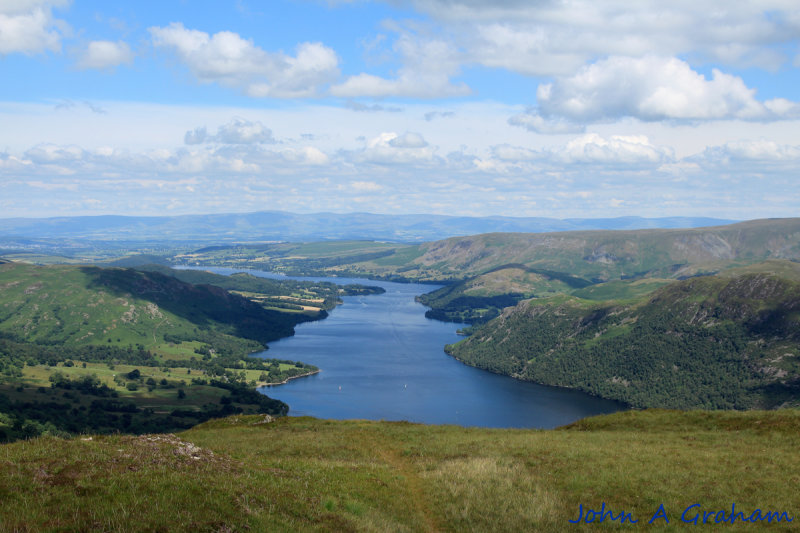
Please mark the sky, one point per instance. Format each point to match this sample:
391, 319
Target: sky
571, 108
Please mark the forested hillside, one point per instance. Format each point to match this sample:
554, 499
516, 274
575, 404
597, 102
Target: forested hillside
715, 342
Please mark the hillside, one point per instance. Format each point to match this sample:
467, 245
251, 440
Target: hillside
480, 298
302, 474
69, 306
516, 265
715, 342
111, 349
606, 255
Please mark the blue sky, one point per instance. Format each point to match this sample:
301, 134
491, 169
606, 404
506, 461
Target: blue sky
469, 107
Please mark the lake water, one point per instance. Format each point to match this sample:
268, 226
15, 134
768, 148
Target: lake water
381, 359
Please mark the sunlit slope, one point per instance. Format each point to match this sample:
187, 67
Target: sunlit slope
480, 298
238, 474
71, 306
606, 255
729, 341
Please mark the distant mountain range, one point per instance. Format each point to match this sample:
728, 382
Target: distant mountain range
284, 226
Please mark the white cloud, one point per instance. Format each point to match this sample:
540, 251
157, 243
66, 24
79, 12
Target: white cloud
617, 153
196, 136
507, 152
365, 186
750, 156
652, 88
307, 155
428, 66
51, 153
390, 148
133, 159
532, 121
553, 38
232, 61
240, 131
629, 150
408, 140
29, 27
528, 50
237, 131
105, 55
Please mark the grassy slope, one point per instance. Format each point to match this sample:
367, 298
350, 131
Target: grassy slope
312, 475
713, 342
595, 255
480, 298
65, 305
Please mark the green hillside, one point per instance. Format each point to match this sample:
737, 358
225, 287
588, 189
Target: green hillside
478, 299
715, 342
323, 296
596, 256
487, 272
302, 474
71, 306
607, 255
110, 349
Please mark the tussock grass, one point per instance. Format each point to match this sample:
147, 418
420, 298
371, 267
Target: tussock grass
302, 474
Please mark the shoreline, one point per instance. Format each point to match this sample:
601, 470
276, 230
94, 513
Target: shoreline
287, 380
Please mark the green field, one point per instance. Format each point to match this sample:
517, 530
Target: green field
302, 474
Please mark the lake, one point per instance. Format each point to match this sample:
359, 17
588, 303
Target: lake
381, 359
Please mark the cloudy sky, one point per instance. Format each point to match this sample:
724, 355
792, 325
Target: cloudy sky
571, 108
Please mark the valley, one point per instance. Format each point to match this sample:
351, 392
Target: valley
84, 348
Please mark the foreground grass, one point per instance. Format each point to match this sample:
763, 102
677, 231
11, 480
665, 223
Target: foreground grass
297, 474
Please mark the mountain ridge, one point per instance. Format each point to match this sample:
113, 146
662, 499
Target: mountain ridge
286, 226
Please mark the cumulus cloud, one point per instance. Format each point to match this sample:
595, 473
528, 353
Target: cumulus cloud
196, 136
233, 61
408, 140
507, 152
428, 66
553, 38
29, 26
588, 174
390, 148
753, 156
649, 89
237, 131
531, 120
631, 150
102, 55
617, 153
52, 153
307, 155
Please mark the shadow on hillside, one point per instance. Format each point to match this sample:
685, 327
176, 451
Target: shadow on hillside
209, 308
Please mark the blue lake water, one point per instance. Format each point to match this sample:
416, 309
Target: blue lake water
381, 359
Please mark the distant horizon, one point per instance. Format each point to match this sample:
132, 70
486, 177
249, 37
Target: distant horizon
295, 227
373, 213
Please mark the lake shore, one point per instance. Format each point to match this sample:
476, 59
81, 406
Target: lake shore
287, 380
